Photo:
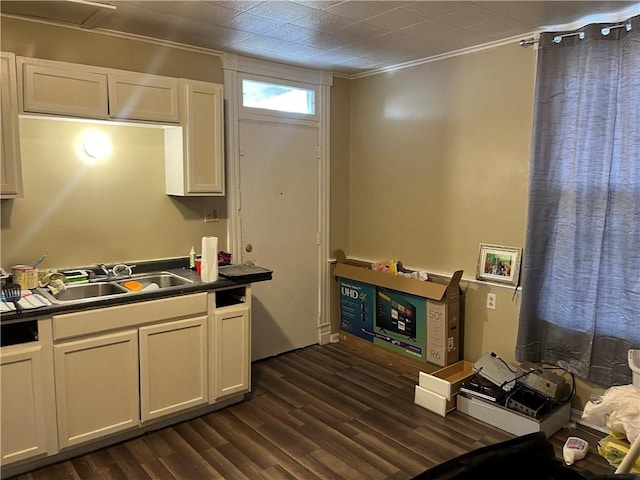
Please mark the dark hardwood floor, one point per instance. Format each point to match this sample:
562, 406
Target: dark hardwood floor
317, 412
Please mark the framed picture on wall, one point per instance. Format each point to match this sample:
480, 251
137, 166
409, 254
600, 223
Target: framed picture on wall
497, 263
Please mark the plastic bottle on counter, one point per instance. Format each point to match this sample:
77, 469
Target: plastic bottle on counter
192, 258
574, 449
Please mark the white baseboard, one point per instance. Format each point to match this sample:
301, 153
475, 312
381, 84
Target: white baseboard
576, 417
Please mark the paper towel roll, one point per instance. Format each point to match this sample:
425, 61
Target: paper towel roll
209, 262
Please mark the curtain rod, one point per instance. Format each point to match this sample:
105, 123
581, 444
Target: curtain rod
528, 42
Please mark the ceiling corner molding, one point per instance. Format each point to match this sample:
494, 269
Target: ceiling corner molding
113, 33
327, 78
230, 61
443, 56
90, 3
256, 66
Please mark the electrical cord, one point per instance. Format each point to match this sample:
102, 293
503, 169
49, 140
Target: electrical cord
556, 367
495, 355
537, 370
520, 376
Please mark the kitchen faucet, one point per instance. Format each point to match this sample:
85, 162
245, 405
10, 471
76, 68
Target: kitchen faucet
100, 278
117, 272
104, 268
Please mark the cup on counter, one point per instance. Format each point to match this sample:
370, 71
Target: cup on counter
25, 275
198, 264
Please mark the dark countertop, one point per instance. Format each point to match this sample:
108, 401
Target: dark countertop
175, 266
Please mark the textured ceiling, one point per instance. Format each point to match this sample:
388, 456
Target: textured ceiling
349, 37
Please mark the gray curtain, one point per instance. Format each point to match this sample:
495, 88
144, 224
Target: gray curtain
581, 266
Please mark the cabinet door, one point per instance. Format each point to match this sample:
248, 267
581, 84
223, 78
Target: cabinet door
137, 96
23, 424
77, 91
230, 351
10, 162
173, 367
194, 154
96, 387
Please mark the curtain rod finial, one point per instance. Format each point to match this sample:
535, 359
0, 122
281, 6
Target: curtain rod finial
528, 42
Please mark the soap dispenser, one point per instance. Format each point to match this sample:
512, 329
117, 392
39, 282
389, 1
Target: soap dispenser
192, 258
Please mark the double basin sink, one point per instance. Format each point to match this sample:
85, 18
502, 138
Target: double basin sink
98, 290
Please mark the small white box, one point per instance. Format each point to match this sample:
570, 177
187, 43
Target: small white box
436, 391
512, 421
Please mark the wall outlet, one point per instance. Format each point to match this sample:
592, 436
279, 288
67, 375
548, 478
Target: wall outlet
491, 301
211, 214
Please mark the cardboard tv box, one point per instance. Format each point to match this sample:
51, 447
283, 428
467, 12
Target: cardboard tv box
417, 319
357, 308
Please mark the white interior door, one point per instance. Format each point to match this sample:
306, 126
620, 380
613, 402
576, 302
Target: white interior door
279, 230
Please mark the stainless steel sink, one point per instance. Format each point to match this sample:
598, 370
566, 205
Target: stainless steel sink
162, 280
84, 292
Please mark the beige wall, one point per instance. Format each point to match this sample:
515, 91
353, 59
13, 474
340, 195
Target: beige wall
80, 214
39, 40
117, 211
438, 163
439, 160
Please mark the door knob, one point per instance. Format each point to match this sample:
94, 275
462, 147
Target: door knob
248, 248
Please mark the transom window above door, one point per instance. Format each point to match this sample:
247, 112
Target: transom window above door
277, 97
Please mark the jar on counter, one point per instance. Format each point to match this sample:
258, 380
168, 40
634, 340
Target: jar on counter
25, 275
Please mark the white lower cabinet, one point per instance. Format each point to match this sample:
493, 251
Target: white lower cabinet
23, 424
107, 372
229, 351
173, 367
120, 366
96, 386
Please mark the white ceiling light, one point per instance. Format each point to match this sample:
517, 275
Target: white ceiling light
95, 146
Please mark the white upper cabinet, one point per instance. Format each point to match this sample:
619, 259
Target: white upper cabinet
10, 163
137, 96
190, 110
56, 88
60, 88
194, 154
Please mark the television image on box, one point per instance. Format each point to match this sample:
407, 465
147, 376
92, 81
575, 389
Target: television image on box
395, 314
